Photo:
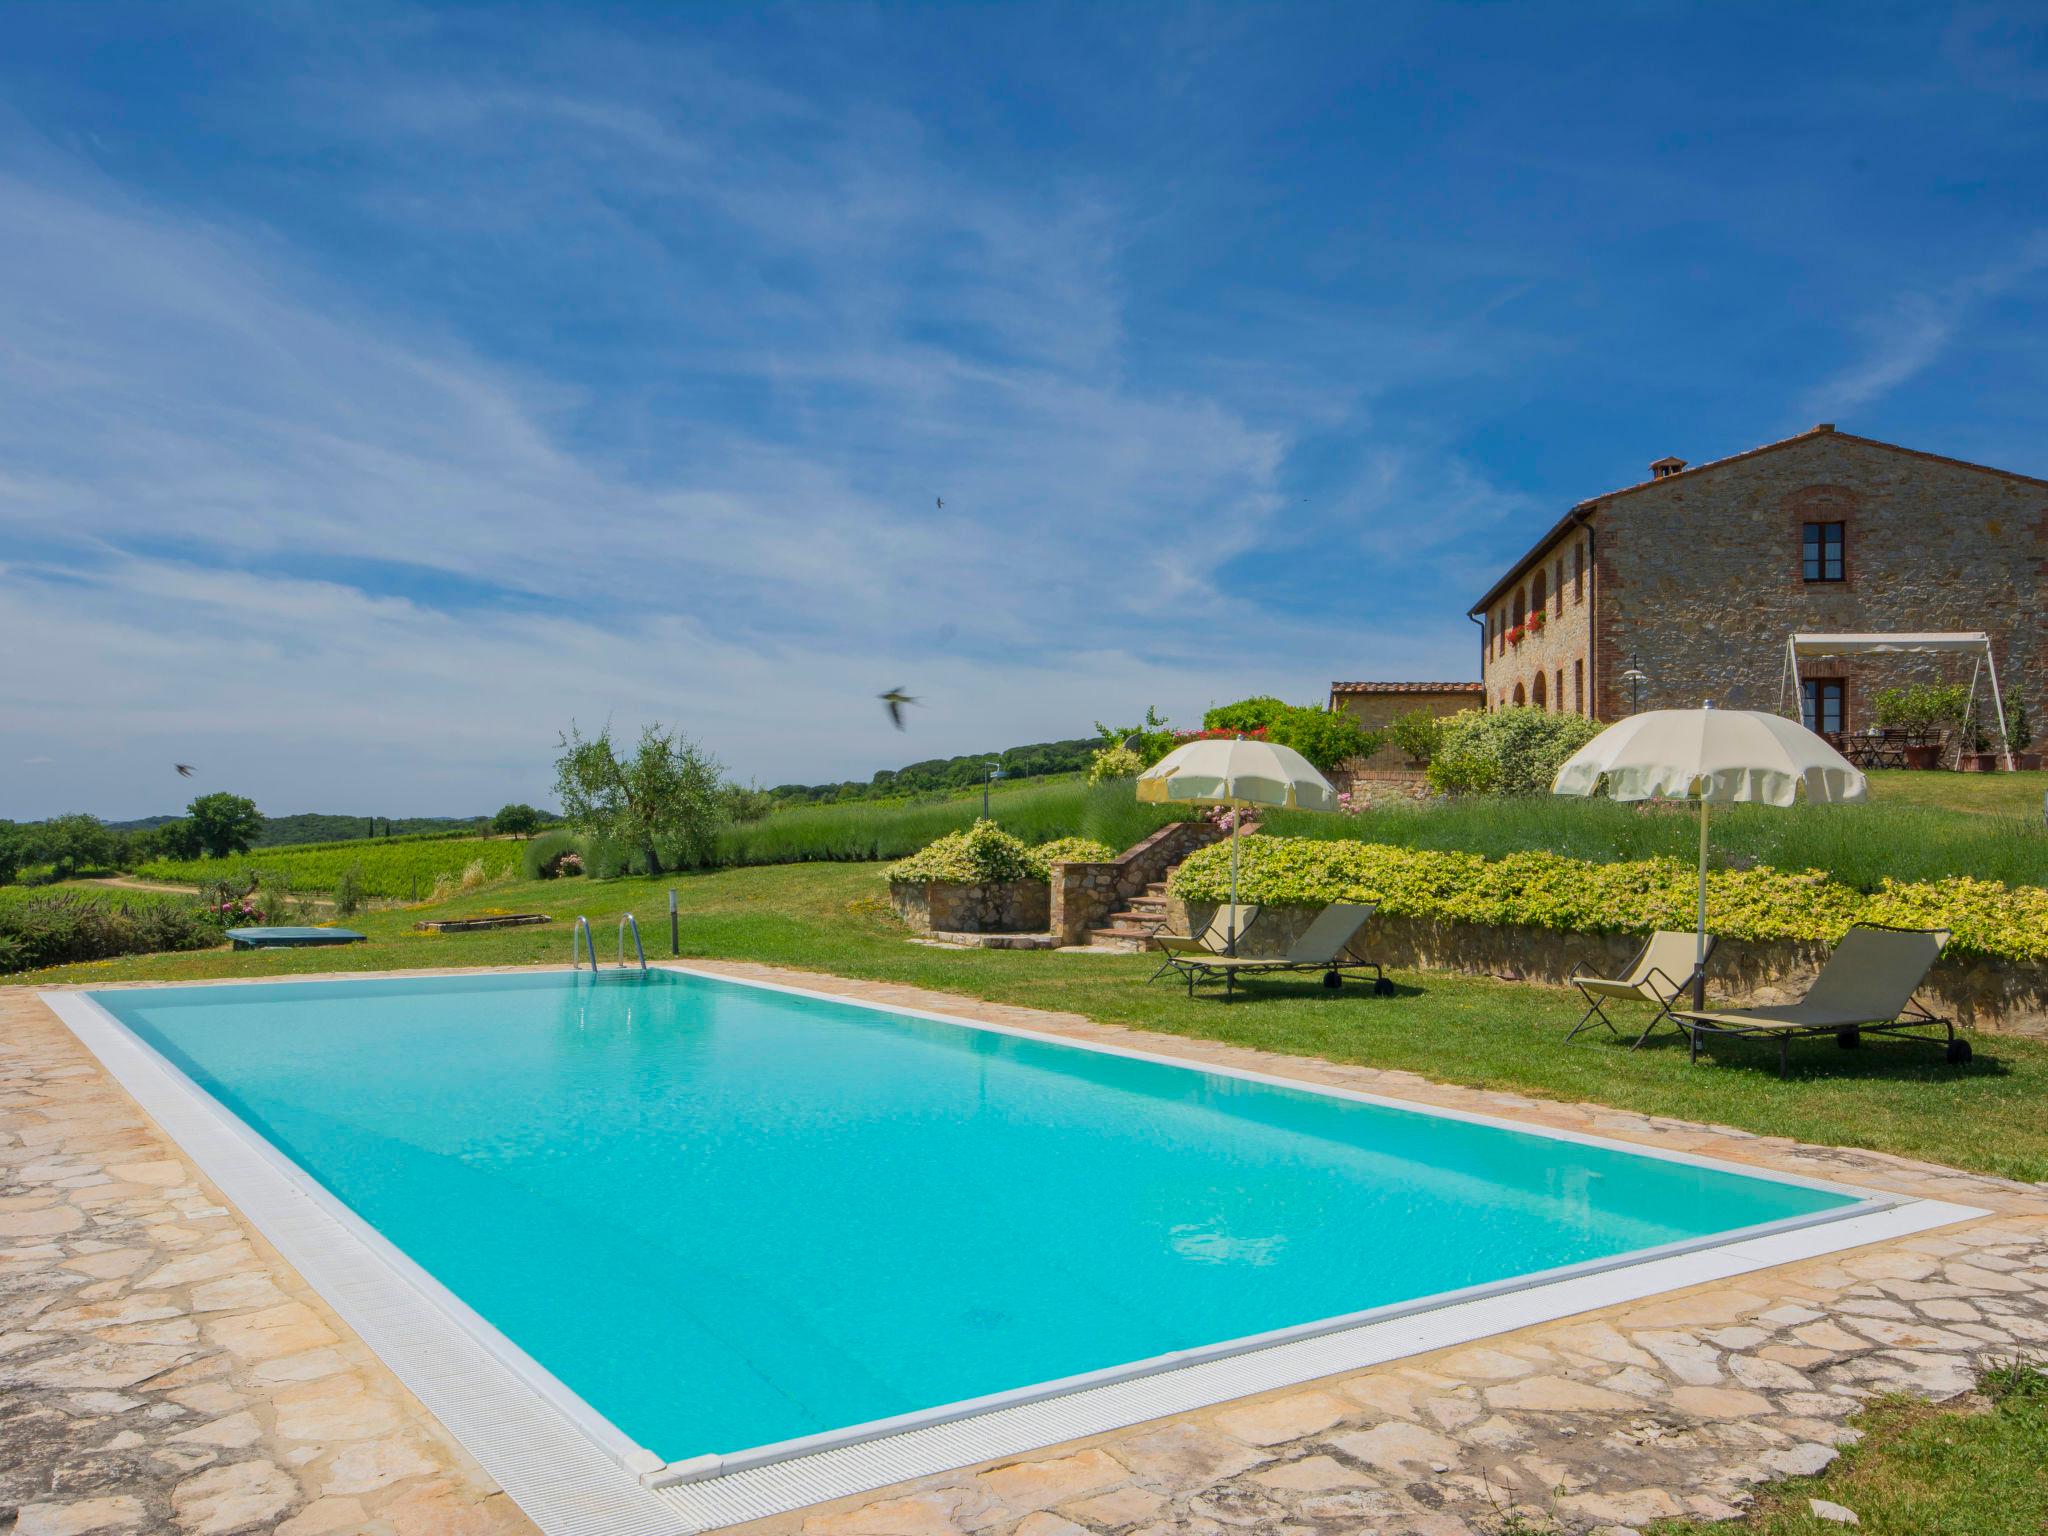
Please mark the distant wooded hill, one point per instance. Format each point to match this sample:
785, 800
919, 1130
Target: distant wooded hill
944, 773
319, 827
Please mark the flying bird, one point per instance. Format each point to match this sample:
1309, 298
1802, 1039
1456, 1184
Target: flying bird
184, 770
941, 501
895, 699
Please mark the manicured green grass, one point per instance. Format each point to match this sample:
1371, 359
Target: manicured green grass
1977, 794
834, 918
1971, 1470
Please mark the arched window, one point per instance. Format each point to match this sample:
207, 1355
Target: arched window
1521, 605
1539, 698
1521, 698
1539, 596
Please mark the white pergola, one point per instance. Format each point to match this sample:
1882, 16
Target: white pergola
1973, 643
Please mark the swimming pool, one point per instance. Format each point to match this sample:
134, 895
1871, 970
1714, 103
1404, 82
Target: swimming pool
728, 1216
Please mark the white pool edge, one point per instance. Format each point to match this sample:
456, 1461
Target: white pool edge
574, 1473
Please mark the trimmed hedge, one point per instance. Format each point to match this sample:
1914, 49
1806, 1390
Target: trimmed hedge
1545, 890
1069, 850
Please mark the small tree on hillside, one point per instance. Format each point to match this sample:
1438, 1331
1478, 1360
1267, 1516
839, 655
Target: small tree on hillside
224, 823
14, 850
173, 840
665, 799
516, 820
73, 843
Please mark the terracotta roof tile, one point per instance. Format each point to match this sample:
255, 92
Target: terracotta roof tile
1407, 687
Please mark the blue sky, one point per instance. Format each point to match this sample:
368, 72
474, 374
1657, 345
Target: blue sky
383, 386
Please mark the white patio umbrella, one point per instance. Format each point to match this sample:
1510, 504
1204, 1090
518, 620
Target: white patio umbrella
1238, 774
1712, 757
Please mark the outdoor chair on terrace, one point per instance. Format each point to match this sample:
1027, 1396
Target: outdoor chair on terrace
1324, 946
1660, 973
1866, 988
1211, 941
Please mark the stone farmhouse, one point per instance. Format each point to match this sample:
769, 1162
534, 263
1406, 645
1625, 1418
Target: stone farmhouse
1696, 577
1374, 706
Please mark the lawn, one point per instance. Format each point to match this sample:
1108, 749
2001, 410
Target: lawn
833, 918
1973, 1469
1977, 794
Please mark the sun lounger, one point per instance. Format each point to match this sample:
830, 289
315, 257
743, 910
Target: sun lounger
1660, 973
1324, 946
1866, 988
1214, 939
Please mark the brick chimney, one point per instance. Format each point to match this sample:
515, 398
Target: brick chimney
1666, 466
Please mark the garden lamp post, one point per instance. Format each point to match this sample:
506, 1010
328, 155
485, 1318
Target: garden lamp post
995, 772
1635, 677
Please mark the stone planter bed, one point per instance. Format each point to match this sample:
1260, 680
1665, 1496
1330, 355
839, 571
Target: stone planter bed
953, 907
478, 924
1997, 996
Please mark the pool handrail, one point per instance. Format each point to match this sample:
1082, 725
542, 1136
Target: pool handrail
581, 941
628, 920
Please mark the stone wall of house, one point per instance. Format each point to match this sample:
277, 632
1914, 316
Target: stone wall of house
1085, 894
1997, 996
1700, 576
1551, 666
1376, 710
996, 906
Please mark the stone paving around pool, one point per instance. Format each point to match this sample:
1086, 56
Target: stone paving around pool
164, 1369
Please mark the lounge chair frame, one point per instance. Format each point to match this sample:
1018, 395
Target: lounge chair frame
1666, 991
1182, 950
1333, 970
1910, 1023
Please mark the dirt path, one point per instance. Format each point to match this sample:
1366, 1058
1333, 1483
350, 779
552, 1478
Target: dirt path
130, 883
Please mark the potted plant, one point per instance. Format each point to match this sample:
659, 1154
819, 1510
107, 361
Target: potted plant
1914, 713
2019, 731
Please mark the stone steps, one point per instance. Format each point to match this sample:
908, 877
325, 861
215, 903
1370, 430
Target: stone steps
1128, 929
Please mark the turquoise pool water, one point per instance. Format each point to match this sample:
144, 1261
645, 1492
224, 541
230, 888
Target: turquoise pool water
727, 1216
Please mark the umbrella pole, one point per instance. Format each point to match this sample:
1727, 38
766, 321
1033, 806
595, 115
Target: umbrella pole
1236, 815
1699, 954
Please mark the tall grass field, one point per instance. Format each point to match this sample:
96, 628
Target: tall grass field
1857, 844
855, 831
402, 869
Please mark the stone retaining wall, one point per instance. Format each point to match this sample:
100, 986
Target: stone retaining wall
1998, 996
947, 906
1084, 894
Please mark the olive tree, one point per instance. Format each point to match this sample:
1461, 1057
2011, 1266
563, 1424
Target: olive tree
516, 820
224, 823
665, 799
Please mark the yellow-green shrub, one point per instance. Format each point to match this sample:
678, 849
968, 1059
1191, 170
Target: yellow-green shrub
1545, 890
985, 853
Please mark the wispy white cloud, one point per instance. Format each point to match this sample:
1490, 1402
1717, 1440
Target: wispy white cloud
1913, 333
373, 545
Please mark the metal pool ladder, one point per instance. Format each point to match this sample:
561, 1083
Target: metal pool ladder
580, 942
628, 921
